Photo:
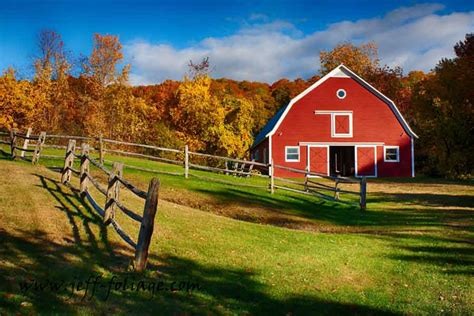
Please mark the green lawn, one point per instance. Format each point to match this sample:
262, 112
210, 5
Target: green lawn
411, 252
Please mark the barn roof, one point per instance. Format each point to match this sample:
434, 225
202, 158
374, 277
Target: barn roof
340, 71
268, 127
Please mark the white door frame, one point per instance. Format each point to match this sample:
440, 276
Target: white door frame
375, 160
309, 158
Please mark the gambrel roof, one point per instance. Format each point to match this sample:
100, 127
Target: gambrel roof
340, 71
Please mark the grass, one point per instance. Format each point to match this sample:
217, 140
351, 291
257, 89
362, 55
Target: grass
411, 252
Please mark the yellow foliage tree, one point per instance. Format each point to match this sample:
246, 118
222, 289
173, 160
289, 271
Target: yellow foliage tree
17, 106
362, 59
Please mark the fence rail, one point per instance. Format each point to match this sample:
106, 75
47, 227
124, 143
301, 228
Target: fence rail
112, 201
192, 161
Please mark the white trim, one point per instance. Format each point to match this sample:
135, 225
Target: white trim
341, 143
336, 73
412, 157
337, 93
309, 158
383, 97
340, 74
385, 153
286, 153
270, 158
375, 160
333, 126
331, 112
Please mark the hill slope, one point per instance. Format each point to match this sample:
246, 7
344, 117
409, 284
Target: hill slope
47, 234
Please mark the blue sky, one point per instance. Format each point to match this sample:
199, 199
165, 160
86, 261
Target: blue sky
252, 40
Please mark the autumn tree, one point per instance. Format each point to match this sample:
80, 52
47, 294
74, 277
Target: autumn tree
102, 64
17, 107
443, 106
362, 59
51, 79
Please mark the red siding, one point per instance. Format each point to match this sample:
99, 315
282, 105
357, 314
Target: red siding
373, 122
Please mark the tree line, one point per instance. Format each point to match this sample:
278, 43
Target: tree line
222, 116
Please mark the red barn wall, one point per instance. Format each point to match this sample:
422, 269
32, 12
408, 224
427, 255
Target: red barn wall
373, 122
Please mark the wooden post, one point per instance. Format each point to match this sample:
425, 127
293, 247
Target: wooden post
306, 175
336, 192
12, 142
113, 190
101, 149
363, 193
146, 228
271, 170
250, 169
26, 141
38, 148
68, 162
84, 167
186, 161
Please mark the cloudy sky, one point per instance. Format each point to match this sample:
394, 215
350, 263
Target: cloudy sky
261, 41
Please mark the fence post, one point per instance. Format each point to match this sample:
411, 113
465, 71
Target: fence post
68, 162
336, 192
101, 149
146, 227
38, 148
271, 170
84, 167
363, 193
306, 179
25, 143
113, 190
12, 142
186, 161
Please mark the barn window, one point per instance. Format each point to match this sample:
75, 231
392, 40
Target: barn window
391, 154
292, 153
341, 125
256, 155
341, 93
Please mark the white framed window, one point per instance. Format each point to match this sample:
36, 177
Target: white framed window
391, 154
292, 153
341, 125
341, 93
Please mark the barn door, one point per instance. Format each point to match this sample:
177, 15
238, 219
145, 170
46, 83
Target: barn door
319, 159
366, 161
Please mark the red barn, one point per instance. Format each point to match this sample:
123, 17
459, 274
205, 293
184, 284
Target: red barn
341, 125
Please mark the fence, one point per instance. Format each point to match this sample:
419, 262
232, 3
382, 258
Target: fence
331, 190
27, 137
112, 201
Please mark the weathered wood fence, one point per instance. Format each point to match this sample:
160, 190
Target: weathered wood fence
330, 188
112, 200
26, 137
323, 190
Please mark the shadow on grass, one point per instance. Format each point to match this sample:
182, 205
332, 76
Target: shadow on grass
32, 256
342, 215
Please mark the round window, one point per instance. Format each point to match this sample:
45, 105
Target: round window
341, 93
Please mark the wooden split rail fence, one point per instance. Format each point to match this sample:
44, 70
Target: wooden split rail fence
323, 190
27, 137
112, 198
330, 188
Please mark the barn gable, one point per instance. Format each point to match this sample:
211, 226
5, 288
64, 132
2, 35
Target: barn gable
341, 72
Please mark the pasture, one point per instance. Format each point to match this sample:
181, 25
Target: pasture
242, 249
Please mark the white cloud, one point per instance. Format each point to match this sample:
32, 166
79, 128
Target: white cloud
413, 37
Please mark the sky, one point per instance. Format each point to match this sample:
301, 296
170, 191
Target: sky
244, 40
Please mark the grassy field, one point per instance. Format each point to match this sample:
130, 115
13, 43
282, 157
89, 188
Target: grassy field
411, 252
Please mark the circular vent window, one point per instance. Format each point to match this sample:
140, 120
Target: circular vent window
341, 93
